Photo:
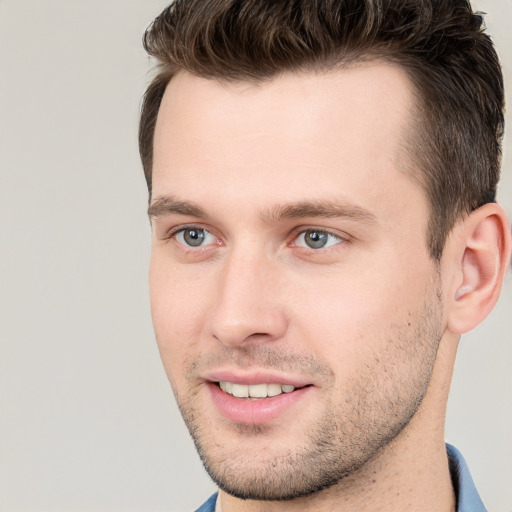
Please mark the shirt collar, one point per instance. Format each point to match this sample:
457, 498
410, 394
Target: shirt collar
468, 499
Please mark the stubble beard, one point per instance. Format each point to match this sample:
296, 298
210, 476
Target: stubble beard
375, 408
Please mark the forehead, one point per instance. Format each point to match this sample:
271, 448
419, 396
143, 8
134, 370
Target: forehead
340, 132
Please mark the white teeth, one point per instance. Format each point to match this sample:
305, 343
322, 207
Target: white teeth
273, 389
240, 390
255, 390
258, 390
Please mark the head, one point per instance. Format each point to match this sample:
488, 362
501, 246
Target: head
457, 124
320, 176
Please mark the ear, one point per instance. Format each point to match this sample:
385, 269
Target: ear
480, 254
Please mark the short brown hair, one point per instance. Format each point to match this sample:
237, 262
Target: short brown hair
458, 121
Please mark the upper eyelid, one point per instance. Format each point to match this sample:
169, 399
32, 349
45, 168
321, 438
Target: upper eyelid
174, 235
295, 233
319, 230
303, 229
323, 231
182, 227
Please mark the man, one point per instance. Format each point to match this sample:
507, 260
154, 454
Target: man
322, 176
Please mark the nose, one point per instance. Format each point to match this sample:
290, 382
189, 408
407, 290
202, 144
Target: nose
248, 304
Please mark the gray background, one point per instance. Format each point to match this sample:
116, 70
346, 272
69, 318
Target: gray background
87, 418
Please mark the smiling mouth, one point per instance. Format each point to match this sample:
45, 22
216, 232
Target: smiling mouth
255, 391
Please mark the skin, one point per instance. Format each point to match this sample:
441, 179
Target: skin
369, 322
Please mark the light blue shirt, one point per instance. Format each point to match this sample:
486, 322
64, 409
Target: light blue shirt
468, 499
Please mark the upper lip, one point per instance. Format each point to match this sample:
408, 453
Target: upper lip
255, 377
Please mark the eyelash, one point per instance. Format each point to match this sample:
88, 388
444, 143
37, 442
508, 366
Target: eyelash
302, 231
172, 234
322, 232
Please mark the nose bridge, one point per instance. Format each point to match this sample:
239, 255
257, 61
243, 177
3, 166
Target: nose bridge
247, 305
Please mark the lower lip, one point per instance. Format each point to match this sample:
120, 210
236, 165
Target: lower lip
255, 412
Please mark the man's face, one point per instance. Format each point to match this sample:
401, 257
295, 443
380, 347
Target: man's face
289, 259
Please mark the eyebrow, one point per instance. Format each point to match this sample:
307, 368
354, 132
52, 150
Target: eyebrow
329, 209
168, 205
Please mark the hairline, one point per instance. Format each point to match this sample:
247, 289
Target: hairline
411, 164
409, 160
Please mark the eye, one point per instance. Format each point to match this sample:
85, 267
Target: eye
194, 237
316, 239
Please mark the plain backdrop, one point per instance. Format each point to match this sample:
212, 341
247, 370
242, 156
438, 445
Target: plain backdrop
87, 418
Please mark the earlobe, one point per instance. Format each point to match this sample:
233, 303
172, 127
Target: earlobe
483, 243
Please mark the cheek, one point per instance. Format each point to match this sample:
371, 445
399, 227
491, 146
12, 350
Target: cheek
357, 313
177, 309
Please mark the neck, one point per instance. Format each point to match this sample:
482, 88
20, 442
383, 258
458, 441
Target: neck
410, 473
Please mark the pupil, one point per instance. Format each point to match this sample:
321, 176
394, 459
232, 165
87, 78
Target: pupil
315, 239
194, 237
